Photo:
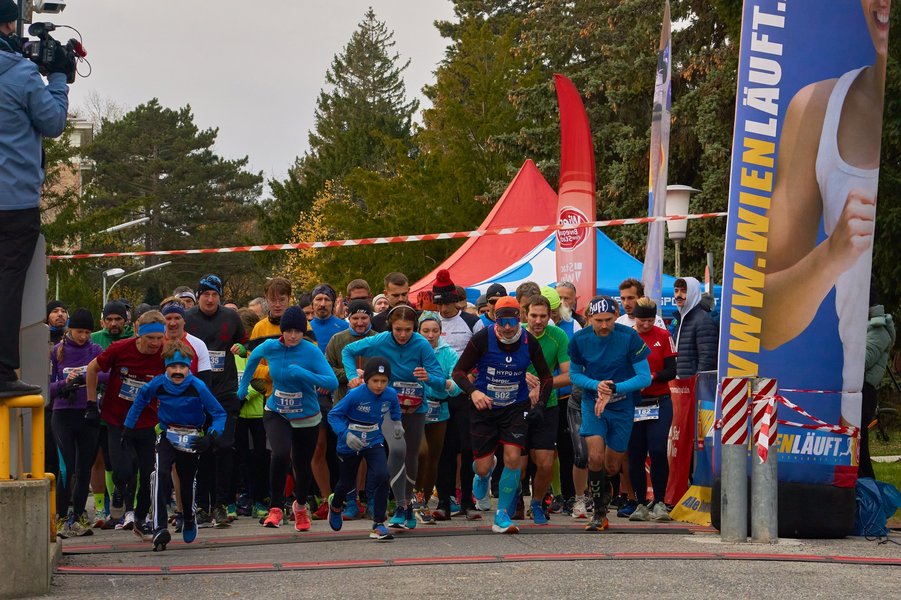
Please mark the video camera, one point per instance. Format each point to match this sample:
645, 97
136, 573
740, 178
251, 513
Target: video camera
50, 55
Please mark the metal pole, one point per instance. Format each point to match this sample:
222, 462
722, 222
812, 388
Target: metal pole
678, 244
734, 484
764, 473
104, 292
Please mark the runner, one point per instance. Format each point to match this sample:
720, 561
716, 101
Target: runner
413, 366
131, 363
436, 419
183, 403
653, 417
608, 361
76, 437
292, 414
501, 354
357, 421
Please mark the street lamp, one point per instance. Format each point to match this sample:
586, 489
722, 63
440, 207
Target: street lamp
677, 200
110, 273
139, 271
140, 221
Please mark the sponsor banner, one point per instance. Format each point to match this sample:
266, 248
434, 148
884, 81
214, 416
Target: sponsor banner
694, 506
802, 206
681, 438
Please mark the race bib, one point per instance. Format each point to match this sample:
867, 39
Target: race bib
434, 412
77, 370
217, 360
288, 402
130, 388
409, 395
366, 433
650, 412
182, 437
502, 395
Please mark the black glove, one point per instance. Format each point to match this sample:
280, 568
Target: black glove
536, 415
128, 437
91, 414
61, 62
203, 443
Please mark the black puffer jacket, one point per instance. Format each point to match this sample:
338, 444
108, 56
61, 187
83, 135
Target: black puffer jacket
697, 336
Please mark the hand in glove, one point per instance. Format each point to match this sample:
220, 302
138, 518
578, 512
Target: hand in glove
204, 442
536, 415
128, 437
398, 430
353, 442
91, 414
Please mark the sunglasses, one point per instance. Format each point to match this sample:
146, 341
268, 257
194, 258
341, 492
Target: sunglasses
493, 301
508, 321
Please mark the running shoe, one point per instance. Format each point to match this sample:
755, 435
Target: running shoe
399, 519
660, 513
641, 513
418, 500
260, 510
556, 505
441, 513
579, 510
620, 501
117, 506
179, 522
425, 515
472, 514
84, 526
503, 524
204, 519
454, 507
232, 511
99, 519
220, 517
519, 508
483, 504
409, 518
380, 533
538, 515
61, 528
274, 519
322, 512
481, 485
626, 511
335, 520
598, 522
351, 510
161, 537
128, 522
189, 532
301, 517
568, 507
112, 523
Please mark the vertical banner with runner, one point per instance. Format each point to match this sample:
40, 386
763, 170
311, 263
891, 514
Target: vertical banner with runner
681, 441
575, 255
802, 204
652, 273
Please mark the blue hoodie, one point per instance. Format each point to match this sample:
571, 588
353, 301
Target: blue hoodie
29, 110
186, 403
296, 372
362, 407
404, 358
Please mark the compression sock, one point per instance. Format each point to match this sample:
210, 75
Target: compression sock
110, 486
508, 485
98, 502
597, 484
555, 480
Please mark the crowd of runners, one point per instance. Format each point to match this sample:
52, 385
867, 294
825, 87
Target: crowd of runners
334, 406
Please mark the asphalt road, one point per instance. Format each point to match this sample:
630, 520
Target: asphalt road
466, 560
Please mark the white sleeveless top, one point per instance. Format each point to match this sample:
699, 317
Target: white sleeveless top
836, 179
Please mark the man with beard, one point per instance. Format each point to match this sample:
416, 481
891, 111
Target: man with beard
57, 317
115, 316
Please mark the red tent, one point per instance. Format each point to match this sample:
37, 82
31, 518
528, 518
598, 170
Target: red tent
527, 201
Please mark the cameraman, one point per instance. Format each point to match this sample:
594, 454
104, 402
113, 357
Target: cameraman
28, 111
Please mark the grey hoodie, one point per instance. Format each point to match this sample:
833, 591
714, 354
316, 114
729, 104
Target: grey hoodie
880, 339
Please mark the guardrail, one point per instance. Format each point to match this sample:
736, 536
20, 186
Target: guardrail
36, 404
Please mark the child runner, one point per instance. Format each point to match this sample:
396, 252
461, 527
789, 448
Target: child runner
356, 421
184, 403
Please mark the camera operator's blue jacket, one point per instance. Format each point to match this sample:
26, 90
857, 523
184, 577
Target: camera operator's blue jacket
29, 110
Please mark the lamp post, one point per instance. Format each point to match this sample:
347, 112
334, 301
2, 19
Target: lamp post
115, 272
677, 200
139, 271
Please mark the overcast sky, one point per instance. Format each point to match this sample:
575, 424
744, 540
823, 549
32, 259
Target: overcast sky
252, 68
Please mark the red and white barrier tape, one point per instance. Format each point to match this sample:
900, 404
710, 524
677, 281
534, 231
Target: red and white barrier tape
398, 239
763, 412
820, 424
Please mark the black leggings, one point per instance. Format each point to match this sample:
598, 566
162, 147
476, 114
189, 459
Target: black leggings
457, 440
132, 467
376, 479
186, 467
290, 446
650, 438
254, 460
77, 442
215, 475
565, 450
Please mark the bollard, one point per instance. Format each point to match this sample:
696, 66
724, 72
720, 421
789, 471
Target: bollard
764, 463
734, 394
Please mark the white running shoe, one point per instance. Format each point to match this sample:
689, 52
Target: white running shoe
641, 513
128, 522
659, 513
580, 511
